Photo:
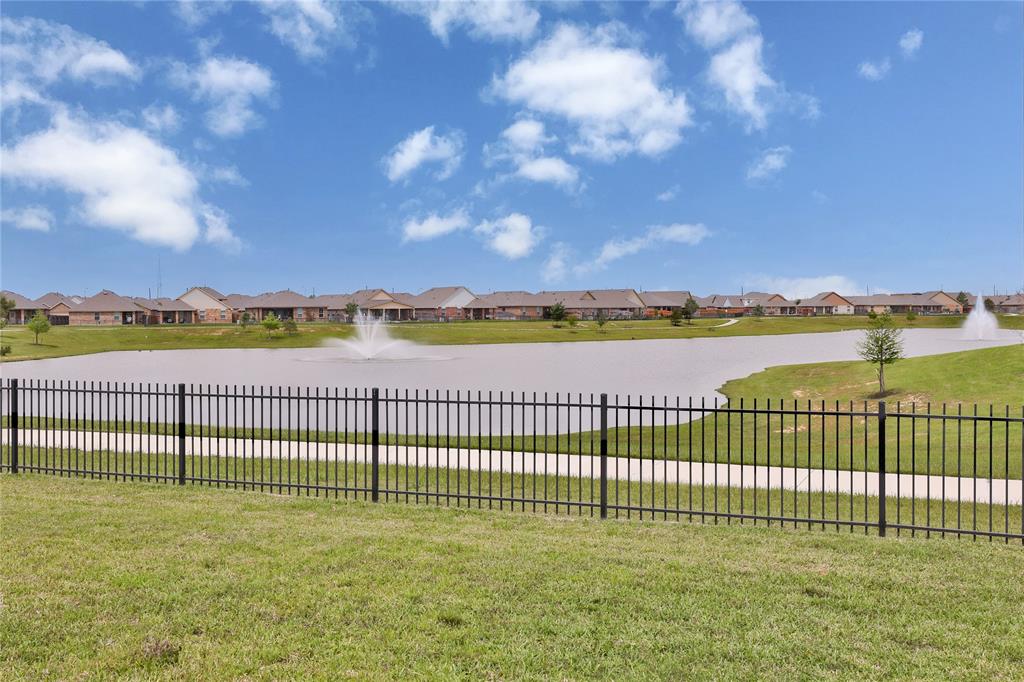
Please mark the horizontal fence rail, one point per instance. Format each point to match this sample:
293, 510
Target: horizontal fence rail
867, 467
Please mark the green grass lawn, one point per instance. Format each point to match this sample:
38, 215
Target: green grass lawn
105, 580
62, 341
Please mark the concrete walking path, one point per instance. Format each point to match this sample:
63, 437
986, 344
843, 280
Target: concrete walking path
671, 472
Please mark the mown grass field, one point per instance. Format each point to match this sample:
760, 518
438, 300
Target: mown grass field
145, 581
60, 341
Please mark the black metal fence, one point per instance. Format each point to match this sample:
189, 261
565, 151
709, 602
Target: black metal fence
868, 467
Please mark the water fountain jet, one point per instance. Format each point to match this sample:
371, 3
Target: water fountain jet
373, 342
981, 325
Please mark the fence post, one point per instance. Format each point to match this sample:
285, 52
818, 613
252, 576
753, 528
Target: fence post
181, 434
375, 445
14, 426
604, 455
881, 469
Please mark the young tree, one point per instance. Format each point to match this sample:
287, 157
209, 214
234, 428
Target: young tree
676, 317
989, 305
39, 325
290, 326
6, 306
557, 312
758, 310
245, 320
602, 318
911, 316
962, 299
351, 310
689, 310
882, 345
271, 323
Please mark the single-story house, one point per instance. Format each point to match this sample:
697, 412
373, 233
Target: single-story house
1008, 303
928, 303
771, 304
210, 305
588, 304
106, 308
24, 308
285, 304
58, 307
442, 303
506, 305
825, 303
165, 311
721, 305
382, 304
662, 303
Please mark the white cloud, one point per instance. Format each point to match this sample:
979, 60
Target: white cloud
35, 218
228, 175
421, 147
42, 52
161, 119
911, 41
556, 266
737, 68
310, 27
434, 226
874, 71
483, 19
669, 194
795, 288
127, 180
230, 85
217, 230
713, 24
549, 169
513, 236
740, 74
195, 13
522, 144
769, 162
614, 249
611, 91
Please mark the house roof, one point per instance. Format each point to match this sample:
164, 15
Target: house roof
378, 298
20, 302
818, 300
926, 299
436, 297
333, 301
507, 299
593, 298
286, 298
162, 304
51, 299
107, 302
665, 299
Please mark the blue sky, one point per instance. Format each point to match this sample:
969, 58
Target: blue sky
783, 146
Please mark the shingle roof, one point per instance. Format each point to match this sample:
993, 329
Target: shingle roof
435, 297
818, 300
508, 299
894, 299
286, 298
107, 302
665, 299
593, 298
51, 299
20, 302
163, 304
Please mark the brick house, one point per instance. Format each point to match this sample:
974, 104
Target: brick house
662, 303
616, 304
210, 305
165, 311
23, 310
442, 303
825, 303
506, 305
106, 308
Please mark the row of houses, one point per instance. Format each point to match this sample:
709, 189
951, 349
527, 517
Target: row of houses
205, 305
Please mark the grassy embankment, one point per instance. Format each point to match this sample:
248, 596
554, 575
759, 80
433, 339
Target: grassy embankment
61, 341
106, 580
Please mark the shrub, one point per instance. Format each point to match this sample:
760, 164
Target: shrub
5, 350
872, 315
290, 326
911, 316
